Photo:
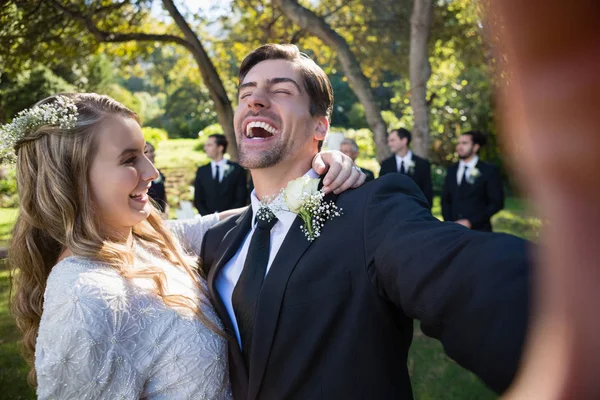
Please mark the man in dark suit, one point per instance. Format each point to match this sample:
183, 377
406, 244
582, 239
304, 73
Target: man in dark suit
472, 191
157, 190
221, 184
332, 318
406, 162
350, 148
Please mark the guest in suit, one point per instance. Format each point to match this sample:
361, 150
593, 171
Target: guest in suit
472, 191
350, 148
332, 318
406, 162
157, 190
221, 184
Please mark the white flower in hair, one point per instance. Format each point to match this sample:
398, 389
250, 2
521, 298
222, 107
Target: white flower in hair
61, 113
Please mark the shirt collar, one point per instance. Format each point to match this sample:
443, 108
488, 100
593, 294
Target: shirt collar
285, 217
221, 163
471, 164
407, 157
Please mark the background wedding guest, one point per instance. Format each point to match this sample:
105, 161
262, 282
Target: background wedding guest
350, 148
157, 190
221, 184
404, 161
472, 191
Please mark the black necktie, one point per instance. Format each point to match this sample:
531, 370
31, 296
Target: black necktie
464, 177
402, 170
247, 290
216, 177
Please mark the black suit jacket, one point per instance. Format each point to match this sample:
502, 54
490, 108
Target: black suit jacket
477, 201
231, 192
334, 318
157, 192
421, 174
370, 175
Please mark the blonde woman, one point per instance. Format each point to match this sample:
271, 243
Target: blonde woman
106, 293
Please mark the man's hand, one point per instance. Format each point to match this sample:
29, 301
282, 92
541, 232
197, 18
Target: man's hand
464, 222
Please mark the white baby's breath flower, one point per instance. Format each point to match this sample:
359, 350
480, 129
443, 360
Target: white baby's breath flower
62, 113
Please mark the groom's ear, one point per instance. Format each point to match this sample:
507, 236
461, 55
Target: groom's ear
322, 128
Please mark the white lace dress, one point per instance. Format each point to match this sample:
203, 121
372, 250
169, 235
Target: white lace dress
104, 337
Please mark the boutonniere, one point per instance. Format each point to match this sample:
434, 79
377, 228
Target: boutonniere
227, 170
411, 167
302, 197
159, 179
473, 174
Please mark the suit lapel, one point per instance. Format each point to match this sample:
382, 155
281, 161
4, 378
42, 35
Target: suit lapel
271, 297
229, 246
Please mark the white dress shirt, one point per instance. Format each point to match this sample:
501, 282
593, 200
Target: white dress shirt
230, 274
461, 168
407, 160
222, 167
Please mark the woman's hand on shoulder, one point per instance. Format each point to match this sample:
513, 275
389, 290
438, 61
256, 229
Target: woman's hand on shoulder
340, 171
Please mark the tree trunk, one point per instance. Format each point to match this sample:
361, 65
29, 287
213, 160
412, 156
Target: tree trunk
192, 43
210, 77
420, 71
310, 22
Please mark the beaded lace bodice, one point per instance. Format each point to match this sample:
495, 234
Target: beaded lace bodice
104, 337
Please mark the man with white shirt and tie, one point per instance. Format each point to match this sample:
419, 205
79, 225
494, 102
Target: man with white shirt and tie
473, 190
404, 161
220, 185
331, 317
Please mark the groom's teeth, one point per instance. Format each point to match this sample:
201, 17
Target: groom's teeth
256, 124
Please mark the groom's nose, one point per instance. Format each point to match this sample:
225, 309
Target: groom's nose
258, 100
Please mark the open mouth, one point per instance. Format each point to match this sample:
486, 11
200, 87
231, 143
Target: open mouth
260, 130
142, 196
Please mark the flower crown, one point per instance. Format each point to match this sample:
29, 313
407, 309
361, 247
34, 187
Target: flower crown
62, 113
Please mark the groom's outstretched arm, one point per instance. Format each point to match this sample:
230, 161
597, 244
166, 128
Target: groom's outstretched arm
469, 289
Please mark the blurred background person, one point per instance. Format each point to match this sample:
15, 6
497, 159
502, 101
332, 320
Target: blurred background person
350, 148
404, 161
221, 184
472, 191
157, 189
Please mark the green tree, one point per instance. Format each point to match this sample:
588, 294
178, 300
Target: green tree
55, 29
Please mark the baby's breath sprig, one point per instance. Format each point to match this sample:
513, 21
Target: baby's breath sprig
62, 113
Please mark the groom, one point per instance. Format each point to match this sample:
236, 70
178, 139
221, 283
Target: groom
333, 318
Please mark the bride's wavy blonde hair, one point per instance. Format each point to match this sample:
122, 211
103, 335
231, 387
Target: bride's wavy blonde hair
56, 214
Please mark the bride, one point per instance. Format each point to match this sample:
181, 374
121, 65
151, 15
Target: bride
106, 293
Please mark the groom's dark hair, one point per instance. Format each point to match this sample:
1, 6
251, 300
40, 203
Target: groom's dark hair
477, 137
316, 82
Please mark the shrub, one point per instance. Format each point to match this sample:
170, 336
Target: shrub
8, 188
154, 135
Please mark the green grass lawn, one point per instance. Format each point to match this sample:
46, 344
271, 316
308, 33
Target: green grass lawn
7, 220
13, 369
434, 375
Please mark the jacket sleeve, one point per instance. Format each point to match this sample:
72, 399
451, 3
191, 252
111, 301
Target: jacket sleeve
494, 195
427, 184
241, 189
199, 196
385, 168
446, 199
469, 289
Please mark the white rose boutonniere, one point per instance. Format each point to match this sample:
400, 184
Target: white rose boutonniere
411, 167
474, 173
302, 197
227, 170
